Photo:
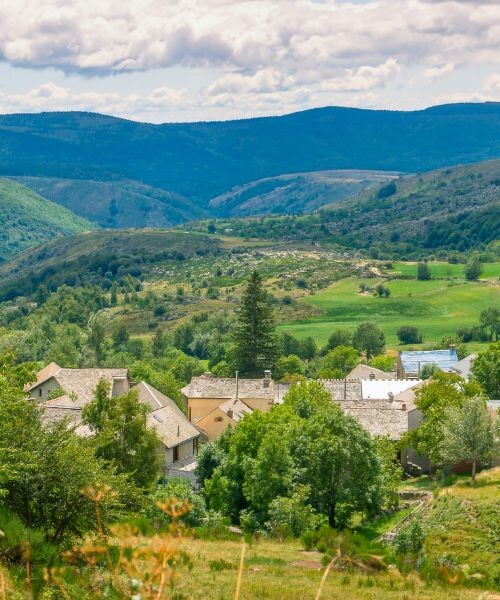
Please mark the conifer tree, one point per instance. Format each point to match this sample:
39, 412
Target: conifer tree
255, 342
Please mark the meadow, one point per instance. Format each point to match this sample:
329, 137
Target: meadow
443, 270
437, 308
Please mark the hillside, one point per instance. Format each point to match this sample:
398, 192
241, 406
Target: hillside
295, 193
451, 209
203, 160
28, 219
116, 204
99, 257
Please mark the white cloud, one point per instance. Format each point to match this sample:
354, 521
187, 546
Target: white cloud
364, 78
49, 96
105, 36
492, 83
434, 73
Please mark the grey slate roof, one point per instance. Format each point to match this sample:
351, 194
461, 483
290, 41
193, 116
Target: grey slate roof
365, 372
81, 382
464, 367
207, 386
379, 417
235, 409
413, 362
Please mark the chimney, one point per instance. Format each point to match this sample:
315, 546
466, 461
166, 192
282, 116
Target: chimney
267, 378
391, 396
452, 349
178, 430
403, 406
230, 413
371, 376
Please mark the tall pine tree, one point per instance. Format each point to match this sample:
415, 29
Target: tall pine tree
255, 342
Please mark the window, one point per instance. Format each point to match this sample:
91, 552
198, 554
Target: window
40, 392
175, 451
195, 446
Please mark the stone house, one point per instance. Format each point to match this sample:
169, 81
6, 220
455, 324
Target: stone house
63, 393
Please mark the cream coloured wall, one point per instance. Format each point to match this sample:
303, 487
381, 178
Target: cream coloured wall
42, 391
214, 424
200, 407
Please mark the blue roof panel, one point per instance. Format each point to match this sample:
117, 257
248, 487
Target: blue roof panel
414, 361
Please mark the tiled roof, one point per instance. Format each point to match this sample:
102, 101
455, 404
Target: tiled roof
463, 367
365, 372
235, 409
171, 427
81, 382
207, 386
379, 417
414, 361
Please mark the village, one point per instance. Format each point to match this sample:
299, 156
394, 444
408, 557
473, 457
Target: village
382, 402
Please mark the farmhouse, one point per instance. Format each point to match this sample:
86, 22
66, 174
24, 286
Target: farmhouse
62, 393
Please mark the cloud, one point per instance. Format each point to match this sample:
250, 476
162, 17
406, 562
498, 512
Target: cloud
492, 83
434, 73
49, 96
364, 78
105, 36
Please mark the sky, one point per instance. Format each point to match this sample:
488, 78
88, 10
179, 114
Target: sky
189, 60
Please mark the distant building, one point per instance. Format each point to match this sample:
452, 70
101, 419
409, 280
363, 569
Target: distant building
410, 364
217, 403
63, 393
365, 372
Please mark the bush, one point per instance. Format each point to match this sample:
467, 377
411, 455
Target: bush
290, 517
473, 269
410, 540
423, 271
407, 334
183, 490
387, 190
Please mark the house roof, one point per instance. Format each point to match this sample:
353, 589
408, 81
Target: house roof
207, 386
171, 427
170, 423
379, 417
235, 409
446, 360
81, 382
365, 372
463, 367
383, 389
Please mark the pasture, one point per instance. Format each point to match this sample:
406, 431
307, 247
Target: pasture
443, 270
437, 308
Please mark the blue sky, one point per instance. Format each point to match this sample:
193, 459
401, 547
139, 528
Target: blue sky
186, 60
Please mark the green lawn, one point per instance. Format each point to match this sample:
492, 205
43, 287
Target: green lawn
443, 270
435, 307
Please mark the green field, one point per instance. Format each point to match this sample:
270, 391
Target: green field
436, 307
443, 270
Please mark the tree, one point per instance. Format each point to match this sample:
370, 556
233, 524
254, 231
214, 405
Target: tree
490, 322
486, 370
339, 337
407, 334
338, 362
473, 269
383, 362
468, 434
123, 437
120, 336
391, 472
158, 344
369, 338
423, 271
255, 343
288, 365
44, 468
97, 335
433, 399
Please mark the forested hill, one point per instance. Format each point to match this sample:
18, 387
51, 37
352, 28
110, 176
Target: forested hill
27, 219
203, 160
452, 209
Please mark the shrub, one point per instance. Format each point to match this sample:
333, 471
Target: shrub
183, 490
292, 516
410, 540
407, 334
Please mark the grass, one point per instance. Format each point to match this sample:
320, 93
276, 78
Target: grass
435, 307
464, 527
443, 270
276, 571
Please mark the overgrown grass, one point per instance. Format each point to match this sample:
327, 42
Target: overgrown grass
442, 270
